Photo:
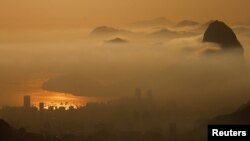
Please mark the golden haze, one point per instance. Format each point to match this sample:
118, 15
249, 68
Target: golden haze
82, 13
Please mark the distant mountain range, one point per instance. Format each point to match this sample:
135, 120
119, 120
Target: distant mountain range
105, 30
242, 30
204, 26
166, 33
110, 32
215, 32
186, 23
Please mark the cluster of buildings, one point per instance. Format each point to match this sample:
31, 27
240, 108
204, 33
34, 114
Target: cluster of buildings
41, 106
28, 107
27, 104
140, 112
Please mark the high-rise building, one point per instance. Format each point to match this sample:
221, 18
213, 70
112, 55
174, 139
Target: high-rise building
41, 106
26, 101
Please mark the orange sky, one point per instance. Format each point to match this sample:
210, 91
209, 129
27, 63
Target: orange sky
75, 13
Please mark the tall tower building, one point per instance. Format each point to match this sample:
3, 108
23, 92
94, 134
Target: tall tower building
41, 106
26, 102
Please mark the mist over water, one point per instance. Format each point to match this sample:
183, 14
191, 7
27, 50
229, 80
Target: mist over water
176, 69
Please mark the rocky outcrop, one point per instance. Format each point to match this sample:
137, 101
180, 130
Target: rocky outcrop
218, 32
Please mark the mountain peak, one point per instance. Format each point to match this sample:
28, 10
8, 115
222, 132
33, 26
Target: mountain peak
117, 40
104, 29
220, 33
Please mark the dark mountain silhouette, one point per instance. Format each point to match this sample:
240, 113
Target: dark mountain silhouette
161, 21
186, 23
218, 32
117, 40
105, 30
5, 129
240, 116
7, 133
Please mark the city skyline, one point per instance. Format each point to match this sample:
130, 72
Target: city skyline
27, 101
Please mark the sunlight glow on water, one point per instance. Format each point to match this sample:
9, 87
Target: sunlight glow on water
34, 88
57, 99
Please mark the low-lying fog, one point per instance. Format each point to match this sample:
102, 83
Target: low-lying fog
174, 66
